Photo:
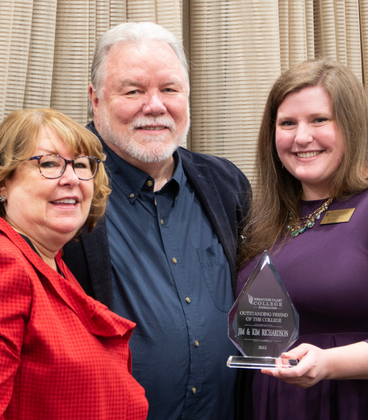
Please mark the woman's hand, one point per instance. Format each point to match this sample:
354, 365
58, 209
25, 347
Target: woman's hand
315, 364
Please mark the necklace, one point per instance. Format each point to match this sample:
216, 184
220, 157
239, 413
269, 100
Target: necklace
26, 237
302, 223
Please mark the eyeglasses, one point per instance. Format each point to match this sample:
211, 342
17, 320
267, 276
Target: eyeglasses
53, 166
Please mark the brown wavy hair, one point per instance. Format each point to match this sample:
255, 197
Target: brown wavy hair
277, 192
18, 139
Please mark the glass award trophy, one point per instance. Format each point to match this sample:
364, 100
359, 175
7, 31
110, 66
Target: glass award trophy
263, 322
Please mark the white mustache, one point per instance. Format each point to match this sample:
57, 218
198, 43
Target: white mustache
151, 121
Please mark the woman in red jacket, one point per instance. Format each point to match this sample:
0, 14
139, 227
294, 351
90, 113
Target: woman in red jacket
62, 354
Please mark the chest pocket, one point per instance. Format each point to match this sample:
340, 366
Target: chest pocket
216, 272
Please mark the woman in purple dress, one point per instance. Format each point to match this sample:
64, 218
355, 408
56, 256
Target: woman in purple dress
313, 156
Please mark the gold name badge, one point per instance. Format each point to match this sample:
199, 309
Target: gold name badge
337, 216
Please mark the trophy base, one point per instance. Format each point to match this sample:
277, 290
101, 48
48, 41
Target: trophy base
260, 362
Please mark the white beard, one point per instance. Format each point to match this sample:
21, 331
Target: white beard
146, 152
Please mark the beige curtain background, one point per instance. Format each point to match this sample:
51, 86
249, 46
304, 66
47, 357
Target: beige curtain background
236, 49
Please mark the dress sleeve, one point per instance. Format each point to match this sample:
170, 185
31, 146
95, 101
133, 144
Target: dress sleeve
15, 304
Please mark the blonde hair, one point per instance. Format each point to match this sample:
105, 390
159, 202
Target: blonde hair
277, 192
18, 139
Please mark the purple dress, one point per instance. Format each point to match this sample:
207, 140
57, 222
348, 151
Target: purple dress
325, 271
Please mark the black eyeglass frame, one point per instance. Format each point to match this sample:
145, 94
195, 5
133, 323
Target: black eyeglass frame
67, 161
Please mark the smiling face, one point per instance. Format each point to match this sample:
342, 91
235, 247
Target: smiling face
48, 211
142, 112
308, 142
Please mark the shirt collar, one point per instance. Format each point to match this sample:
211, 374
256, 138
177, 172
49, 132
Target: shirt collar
130, 179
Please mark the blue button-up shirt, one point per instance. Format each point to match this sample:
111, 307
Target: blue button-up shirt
171, 277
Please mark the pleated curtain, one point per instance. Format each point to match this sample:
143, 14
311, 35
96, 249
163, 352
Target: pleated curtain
46, 47
236, 50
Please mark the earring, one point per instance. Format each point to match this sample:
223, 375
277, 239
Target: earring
2, 199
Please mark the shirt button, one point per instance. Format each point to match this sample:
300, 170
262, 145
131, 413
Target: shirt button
194, 390
196, 343
131, 195
174, 260
187, 299
149, 183
162, 222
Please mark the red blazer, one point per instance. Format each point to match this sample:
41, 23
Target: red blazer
63, 355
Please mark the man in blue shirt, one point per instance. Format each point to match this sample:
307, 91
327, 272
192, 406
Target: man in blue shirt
165, 254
